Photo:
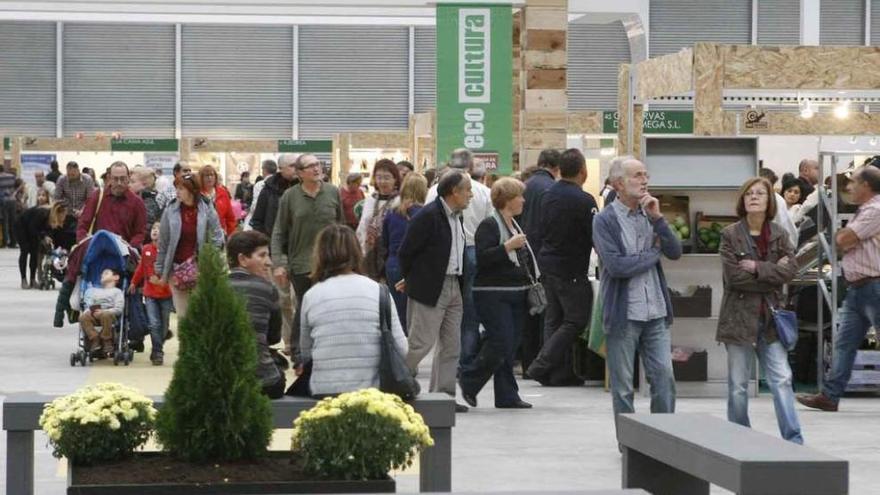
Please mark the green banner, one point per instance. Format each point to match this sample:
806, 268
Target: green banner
7, 143
655, 122
144, 145
475, 82
305, 146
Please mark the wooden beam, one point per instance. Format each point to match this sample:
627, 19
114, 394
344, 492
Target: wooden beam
623, 103
535, 59
708, 89
548, 40
543, 138
547, 119
546, 79
801, 67
585, 122
545, 99
546, 18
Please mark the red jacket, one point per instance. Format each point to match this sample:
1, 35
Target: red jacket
146, 269
223, 205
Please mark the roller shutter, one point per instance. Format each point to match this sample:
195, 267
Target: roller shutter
237, 81
353, 78
425, 68
842, 22
595, 52
875, 22
119, 77
779, 22
676, 24
27, 78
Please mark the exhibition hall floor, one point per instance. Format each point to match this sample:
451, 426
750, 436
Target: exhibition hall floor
566, 442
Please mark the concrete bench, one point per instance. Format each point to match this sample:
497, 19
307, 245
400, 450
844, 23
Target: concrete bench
682, 454
21, 415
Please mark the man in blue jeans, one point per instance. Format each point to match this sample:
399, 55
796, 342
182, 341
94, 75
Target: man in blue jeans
630, 237
860, 243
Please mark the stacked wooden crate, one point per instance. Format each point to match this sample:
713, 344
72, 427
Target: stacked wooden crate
543, 121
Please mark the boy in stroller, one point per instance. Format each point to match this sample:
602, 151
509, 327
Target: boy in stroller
105, 304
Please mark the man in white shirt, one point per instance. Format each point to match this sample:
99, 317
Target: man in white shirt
782, 218
41, 185
479, 208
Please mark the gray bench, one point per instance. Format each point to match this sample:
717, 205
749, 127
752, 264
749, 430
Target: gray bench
21, 414
682, 454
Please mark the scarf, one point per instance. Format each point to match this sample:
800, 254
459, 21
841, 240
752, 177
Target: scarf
505, 235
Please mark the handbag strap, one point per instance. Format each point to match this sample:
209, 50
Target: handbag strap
384, 310
534, 274
97, 210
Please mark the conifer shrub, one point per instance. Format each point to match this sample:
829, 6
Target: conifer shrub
214, 408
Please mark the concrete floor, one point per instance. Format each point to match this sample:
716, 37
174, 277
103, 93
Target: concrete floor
566, 442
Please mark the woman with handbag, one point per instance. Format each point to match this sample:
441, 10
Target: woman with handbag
340, 318
757, 260
187, 223
386, 179
505, 274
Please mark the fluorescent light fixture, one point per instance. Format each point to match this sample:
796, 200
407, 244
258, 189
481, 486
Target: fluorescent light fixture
806, 110
873, 141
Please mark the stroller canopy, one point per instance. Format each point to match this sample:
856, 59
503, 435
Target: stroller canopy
106, 250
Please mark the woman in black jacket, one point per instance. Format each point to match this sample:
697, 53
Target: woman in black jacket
31, 226
504, 264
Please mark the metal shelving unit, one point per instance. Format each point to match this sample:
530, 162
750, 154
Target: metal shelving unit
826, 252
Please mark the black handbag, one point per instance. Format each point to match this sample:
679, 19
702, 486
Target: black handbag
395, 376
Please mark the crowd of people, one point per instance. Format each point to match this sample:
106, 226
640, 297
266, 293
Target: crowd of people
486, 272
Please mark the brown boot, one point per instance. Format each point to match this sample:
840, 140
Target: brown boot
817, 401
107, 345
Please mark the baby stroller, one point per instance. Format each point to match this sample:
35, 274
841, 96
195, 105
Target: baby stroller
105, 250
52, 266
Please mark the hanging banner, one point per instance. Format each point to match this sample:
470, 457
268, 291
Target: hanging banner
144, 145
305, 146
33, 162
475, 81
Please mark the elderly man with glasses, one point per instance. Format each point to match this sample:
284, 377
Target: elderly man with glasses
115, 209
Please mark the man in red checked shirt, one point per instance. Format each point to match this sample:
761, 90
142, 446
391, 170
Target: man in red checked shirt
115, 209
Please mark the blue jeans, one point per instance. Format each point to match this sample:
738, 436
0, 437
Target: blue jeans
860, 311
775, 369
503, 313
654, 343
470, 324
158, 315
392, 276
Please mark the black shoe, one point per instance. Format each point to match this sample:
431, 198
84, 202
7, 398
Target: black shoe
469, 398
461, 408
136, 346
156, 360
59, 319
517, 404
169, 335
536, 373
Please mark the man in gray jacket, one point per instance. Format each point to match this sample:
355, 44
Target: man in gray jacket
630, 237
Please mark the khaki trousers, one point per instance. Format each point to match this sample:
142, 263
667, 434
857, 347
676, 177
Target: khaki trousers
440, 325
89, 322
285, 300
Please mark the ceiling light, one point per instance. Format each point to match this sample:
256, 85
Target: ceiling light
873, 141
841, 111
853, 139
806, 110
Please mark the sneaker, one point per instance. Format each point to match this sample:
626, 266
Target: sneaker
157, 360
817, 401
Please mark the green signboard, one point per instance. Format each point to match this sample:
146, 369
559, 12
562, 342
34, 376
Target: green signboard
305, 146
170, 145
655, 122
7, 143
475, 82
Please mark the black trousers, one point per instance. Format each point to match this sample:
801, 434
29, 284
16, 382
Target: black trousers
532, 339
569, 302
301, 283
28, 248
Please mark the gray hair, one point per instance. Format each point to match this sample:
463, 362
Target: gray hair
478, 171
288, 159
617, 171
462, 158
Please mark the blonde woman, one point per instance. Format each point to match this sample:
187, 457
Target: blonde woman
412, 197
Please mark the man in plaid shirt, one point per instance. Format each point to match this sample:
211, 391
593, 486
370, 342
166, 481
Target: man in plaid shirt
74, 188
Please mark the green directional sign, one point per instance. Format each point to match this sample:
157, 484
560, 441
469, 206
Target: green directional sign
7, 143
170, 145
475, 82
655, 122
305, 146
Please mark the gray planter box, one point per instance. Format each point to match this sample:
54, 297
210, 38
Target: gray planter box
387, 485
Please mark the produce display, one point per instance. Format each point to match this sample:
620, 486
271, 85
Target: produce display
710, 237
680, 228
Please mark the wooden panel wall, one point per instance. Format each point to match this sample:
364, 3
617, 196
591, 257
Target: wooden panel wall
543, 123
708, 80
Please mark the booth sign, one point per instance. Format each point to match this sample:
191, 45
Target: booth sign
655, 122
144, 145
305, 146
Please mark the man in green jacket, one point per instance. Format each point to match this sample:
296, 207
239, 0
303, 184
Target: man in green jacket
303, 211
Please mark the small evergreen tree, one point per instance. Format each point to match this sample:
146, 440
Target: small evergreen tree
214, 408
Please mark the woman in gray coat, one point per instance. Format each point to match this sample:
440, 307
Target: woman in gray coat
187, 223
757, 260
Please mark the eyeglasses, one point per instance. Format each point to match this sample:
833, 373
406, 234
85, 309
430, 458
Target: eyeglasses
120, 179
310, 166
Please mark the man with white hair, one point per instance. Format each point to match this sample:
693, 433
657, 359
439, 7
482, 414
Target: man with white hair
479, 208
631, 236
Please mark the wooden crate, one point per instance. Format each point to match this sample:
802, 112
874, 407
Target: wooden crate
713, 224
676, 209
